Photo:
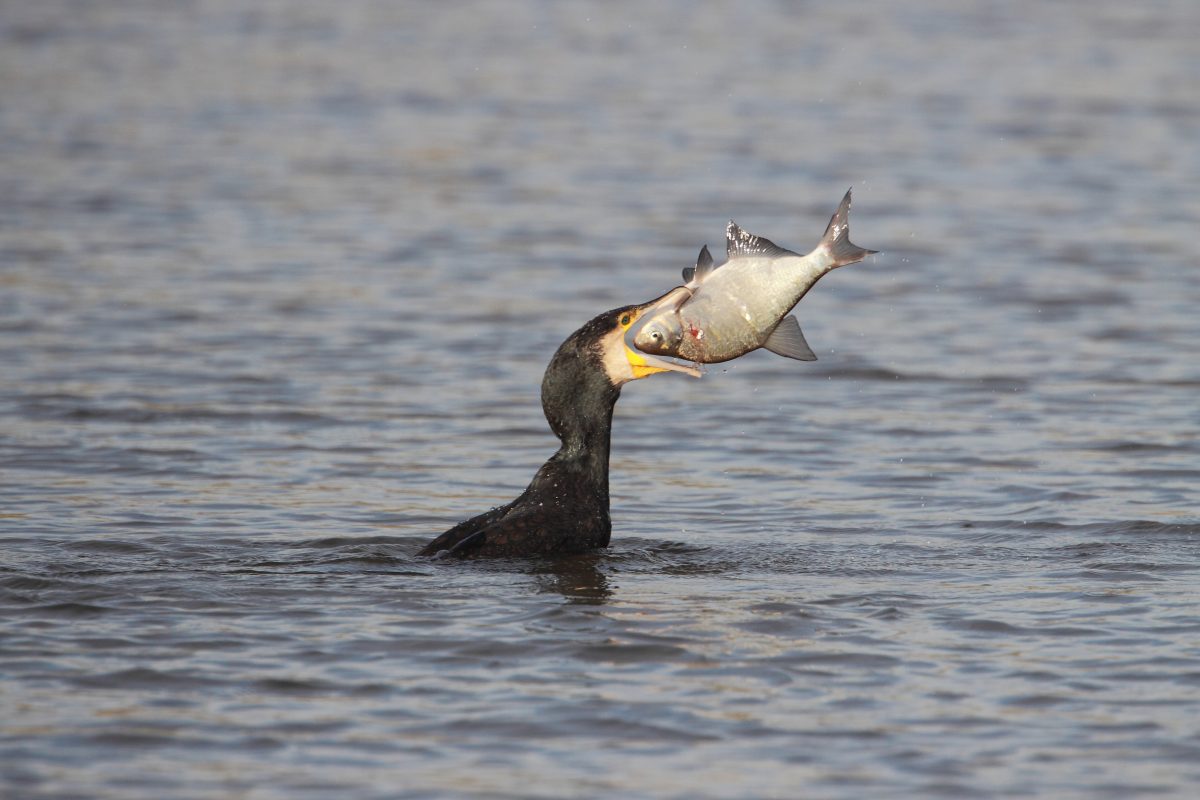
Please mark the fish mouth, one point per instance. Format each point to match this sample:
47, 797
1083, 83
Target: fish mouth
644, 364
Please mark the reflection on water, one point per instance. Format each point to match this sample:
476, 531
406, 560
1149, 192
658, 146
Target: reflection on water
579, 579
277, 287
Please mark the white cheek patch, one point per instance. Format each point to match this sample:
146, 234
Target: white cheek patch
616, 365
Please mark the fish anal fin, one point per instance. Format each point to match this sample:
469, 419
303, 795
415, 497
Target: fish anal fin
788, 341
740, 242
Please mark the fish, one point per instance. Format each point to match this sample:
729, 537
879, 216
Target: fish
725, 311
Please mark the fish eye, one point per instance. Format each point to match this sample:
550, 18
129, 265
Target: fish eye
625, 319
655, 335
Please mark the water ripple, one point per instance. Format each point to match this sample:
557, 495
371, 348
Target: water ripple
277, 290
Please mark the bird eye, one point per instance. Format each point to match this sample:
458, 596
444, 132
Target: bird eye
625, 320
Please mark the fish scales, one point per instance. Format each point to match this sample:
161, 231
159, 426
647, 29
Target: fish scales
724, 312
727, 316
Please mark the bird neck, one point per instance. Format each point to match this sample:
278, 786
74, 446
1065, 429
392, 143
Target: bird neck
578, 472
586, 439
578, 401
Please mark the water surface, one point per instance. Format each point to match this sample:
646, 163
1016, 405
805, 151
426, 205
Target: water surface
277, 287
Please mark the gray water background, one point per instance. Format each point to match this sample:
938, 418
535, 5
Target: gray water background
278, 282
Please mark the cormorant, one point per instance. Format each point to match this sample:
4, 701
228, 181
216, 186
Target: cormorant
565, 507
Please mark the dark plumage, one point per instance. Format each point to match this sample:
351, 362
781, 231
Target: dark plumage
565, 507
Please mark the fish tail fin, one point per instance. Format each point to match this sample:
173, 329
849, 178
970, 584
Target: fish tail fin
836, 240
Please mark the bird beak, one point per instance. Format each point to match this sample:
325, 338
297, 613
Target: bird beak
644, 365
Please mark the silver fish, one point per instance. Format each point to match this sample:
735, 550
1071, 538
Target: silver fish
727, 311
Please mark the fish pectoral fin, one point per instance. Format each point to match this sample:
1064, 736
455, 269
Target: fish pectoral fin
704, 265
787, 340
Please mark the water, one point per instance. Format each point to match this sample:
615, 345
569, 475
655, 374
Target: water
277, 286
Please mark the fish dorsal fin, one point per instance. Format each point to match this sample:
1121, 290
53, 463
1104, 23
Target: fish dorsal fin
739, 242
704, 265
788, 340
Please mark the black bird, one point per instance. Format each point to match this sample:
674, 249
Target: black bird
565, 508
